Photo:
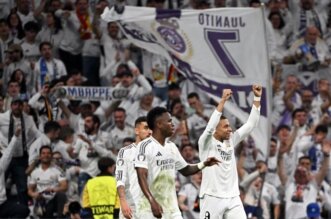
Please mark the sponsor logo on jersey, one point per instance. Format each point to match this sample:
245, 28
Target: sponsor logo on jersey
225, 155
158, 154
166, 164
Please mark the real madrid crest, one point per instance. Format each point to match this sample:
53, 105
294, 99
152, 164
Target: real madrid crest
173, 37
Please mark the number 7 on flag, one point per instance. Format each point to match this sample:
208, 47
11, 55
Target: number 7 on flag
216, 40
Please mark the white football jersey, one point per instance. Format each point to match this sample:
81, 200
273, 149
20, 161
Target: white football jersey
222, 180
126, 174
162, 163
45, 179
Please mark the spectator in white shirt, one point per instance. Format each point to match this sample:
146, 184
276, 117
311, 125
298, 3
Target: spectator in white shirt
285, 102
310, 51
197, 122
322, 102
305, 14
48, 68
120, 130
9, 208
13, 90
17, 61
15, 26
8, 121
42, 104
29, 43
51, 134
24, 11
51, 32
135, 82
188, 197
48, 185
77, 28
5, 40
88, 148
304, 188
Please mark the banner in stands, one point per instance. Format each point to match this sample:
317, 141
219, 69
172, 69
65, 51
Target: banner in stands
91, 93
215, 48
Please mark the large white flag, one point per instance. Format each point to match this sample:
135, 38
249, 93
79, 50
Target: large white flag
215, 49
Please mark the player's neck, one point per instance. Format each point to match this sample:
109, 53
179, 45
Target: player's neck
159, 137
217, 137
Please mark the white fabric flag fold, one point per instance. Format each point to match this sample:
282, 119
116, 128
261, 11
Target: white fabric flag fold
214, 48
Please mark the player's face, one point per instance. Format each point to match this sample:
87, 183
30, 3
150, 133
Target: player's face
143, 131
167, 127
224, 129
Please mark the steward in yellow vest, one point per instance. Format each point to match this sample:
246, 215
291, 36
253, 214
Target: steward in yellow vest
100, 194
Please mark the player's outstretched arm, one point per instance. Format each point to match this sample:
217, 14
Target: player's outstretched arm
206, 136
253, 118
194, 168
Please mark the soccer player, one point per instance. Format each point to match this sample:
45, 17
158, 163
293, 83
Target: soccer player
126, 175
219, 192
156, 163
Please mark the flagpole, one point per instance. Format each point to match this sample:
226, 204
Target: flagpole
268, 88
268, 96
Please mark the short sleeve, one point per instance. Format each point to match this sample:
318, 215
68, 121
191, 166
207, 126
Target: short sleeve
32, 179
143, 154
180, 162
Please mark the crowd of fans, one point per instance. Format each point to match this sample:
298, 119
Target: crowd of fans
46, 44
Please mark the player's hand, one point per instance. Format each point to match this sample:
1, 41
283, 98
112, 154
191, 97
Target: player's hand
257, 89
156, 208
211, 161
126, 210
226, 94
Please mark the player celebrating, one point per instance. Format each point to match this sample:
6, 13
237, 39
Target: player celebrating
219, 190
126, 175
156, 163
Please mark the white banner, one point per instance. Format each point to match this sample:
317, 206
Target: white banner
216, 49
91, 93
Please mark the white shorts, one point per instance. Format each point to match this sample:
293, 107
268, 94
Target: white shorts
149, 215
221, 208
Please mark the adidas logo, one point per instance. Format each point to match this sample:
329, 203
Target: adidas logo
158, 154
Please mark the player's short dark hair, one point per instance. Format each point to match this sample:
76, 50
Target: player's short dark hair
223, 117
153, 115
140, 120
104, 163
